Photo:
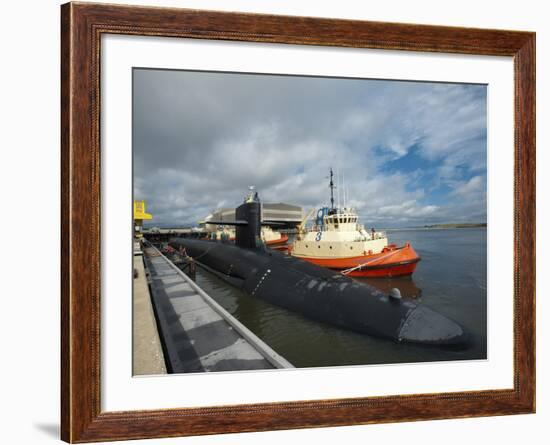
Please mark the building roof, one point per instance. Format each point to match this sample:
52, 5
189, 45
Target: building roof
279, 211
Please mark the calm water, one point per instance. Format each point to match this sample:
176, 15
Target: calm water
451, 278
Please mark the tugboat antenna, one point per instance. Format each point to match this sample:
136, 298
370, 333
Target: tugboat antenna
345, 187
331, 190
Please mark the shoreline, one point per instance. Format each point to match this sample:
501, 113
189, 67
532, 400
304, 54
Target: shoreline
441, 227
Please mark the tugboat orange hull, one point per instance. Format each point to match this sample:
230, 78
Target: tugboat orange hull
282, 240
391, 262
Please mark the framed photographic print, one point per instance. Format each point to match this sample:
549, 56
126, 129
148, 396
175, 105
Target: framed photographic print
268, 221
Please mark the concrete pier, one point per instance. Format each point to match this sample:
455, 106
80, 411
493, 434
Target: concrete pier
197, 333
147, 357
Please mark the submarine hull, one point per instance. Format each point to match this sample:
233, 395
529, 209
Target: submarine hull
322, 294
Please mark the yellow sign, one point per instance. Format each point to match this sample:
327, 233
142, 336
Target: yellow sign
139, 211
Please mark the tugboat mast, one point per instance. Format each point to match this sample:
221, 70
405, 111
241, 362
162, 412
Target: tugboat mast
331, 190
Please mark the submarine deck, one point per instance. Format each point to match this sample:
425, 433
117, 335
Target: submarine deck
199, 335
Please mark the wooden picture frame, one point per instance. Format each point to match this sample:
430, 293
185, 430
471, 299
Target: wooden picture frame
82, 26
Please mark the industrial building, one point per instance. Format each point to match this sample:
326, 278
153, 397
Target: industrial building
287, 215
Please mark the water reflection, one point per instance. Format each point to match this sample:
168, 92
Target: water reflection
451, 279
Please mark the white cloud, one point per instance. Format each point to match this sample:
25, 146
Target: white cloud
200, 139
475, 185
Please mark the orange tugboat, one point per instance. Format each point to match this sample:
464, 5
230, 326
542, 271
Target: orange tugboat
273, 238
337, 241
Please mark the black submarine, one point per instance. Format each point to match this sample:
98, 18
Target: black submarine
313, 291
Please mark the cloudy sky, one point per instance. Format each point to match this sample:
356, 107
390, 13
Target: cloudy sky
411, 153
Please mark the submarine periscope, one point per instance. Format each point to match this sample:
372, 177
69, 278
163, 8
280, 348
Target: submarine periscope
313, 291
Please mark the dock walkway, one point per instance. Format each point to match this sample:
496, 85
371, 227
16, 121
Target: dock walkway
198, 334
147, 358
